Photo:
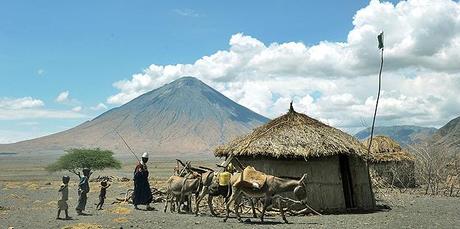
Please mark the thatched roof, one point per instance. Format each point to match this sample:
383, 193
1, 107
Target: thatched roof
293, 135
385, 149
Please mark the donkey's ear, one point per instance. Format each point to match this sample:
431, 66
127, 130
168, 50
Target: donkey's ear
304, 177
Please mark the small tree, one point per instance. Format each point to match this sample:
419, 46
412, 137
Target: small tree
76, 159
432, 166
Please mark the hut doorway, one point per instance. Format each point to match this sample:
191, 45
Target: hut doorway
346, 181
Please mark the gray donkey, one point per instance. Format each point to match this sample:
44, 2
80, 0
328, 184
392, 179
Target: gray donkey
273, 186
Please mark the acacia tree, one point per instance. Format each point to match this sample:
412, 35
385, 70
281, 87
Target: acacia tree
77, 159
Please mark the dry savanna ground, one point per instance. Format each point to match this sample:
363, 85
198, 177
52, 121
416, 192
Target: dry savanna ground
28, 199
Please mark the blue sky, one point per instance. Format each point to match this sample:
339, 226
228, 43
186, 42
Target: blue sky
84, 47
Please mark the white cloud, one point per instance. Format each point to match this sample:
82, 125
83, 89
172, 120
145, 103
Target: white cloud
28, 108
99, 106
63, 97
24, 114
6, 114
11, 136
20, 103
421, 76
40, 72
187, 12
77, 109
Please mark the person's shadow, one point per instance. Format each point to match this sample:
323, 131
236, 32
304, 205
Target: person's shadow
85, 214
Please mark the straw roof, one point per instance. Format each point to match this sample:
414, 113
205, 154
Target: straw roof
385, 149
293, 135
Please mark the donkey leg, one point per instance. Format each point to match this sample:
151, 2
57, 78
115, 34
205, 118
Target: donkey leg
211, 208
167, 201
166, 205
264, 208
281, 206
254, 214
227, 205
199, 199
179, 204
237, 206
189, 202
172, 204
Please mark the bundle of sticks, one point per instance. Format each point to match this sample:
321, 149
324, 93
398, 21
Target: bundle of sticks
158, 196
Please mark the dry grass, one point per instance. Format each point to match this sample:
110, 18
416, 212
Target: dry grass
121, 220
83, 226
293, 135
121, 210
18, 197
12, 185
29, 185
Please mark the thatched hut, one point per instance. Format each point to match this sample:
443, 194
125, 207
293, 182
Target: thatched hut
391, 163
295, 144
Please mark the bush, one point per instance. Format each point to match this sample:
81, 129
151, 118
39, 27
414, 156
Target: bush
77, 159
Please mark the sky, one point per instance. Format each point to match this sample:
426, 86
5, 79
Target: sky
65, 62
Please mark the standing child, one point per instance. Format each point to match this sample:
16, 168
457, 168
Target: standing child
104, 187
62, 203
83, 189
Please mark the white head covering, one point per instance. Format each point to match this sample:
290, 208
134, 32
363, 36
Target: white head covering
145, 155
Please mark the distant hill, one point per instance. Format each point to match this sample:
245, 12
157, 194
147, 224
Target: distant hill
404, 135
449, 136
185, 116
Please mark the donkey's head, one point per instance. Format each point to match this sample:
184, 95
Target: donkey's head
300, 191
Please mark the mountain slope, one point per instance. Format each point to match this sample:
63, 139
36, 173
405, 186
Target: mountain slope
404, 135
449, 136
184, 116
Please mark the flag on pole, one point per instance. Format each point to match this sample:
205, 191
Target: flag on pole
380, 38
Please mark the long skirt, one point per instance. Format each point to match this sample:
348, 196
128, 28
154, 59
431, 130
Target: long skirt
82, 197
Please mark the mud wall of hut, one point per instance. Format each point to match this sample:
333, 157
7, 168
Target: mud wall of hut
363, 196
325, 189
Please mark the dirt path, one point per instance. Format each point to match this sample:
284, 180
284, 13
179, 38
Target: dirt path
33, 205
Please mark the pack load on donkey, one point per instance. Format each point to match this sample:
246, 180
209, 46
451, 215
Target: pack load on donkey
250, 177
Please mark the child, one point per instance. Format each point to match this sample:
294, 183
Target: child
62, 203
104, 187
83, 189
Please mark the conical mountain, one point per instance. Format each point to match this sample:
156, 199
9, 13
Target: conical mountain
184, 116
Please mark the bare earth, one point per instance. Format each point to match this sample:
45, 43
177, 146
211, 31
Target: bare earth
27, 200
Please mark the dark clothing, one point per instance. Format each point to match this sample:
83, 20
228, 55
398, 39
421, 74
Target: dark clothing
103, 192
101, 197
142, 193
101, 202
83, 189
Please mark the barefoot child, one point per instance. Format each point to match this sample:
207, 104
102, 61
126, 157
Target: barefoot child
62, 203
104, 187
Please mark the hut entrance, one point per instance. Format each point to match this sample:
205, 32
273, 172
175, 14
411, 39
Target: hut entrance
346, 181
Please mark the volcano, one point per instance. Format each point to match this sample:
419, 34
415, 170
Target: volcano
185, 116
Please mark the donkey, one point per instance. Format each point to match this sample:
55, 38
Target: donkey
273, 186
210, 188
207, 179
181, 188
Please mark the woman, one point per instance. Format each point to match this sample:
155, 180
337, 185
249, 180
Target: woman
142, 193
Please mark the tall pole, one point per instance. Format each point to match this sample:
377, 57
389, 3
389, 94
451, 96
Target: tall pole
380, 39
126, 144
